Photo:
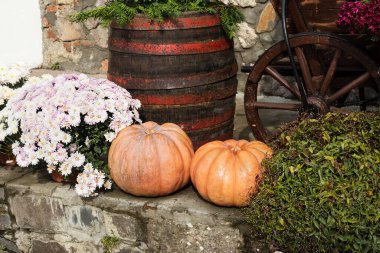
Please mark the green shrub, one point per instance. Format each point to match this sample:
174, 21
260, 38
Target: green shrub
123, 11
322, 189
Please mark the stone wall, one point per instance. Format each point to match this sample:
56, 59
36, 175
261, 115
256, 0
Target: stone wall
71, 46
41, 216
83, 47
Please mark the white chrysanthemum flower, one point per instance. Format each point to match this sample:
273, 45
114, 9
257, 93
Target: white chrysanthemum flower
62, 155
33, 157
77, 159
82, 190
51, 168
51, 158
110, 136
13, 77
22, 160
88, 168
34, 80
47, 77
65, 138
65, 169
99, 180
108, 184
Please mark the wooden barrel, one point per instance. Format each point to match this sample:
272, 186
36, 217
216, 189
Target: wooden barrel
183, 71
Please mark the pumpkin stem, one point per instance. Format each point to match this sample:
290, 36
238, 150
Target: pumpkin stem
149, 131
236, 148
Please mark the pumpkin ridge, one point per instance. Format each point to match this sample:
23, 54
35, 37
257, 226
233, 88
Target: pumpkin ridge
246, 166
174, 145
201, 153
179, 134
201, 183
118, 173
115, 161
131, 156
173, 141
156, 147
234, 162
215, 168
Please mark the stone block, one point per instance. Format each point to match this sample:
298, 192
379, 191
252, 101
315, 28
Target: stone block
251, 55
38, 213
100, 36
39, 182
10, 173
83, 248
23, 241
91, 23
252, 15
51, 247
2, 194
51, 18
268, 19
66, 1
122, 226
246, 35
277, 33
68, 31
67, 195
240, 3
5, 220
170, 237
89, 60
84, 4
85, 223
9, 245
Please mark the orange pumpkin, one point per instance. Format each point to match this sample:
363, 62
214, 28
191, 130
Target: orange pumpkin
150, 159
227, 173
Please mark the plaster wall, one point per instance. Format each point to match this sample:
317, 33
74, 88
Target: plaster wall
20, 32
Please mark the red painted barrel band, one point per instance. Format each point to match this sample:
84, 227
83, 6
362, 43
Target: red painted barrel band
142, 83
117, 44
144, 23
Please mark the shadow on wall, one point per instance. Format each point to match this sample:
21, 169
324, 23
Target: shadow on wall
21, 33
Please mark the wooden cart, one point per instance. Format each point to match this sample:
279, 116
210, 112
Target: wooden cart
319, 68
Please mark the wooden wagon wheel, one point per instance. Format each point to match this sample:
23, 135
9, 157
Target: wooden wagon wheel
332, 61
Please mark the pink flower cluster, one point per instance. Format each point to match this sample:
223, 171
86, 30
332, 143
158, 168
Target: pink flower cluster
361, 17
51, 116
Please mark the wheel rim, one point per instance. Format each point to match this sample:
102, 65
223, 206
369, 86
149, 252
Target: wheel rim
320, 81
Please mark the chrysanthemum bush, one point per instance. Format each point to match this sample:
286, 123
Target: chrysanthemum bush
362, 17
66, 124
12, 77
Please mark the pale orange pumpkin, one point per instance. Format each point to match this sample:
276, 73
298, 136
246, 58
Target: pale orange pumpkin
227, 173
150, 159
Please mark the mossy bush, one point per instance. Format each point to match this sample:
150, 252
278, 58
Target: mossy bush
322, 188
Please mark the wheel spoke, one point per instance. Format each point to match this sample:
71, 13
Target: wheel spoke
281, 79
305, 69
330, 73
352, 85
279, 106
